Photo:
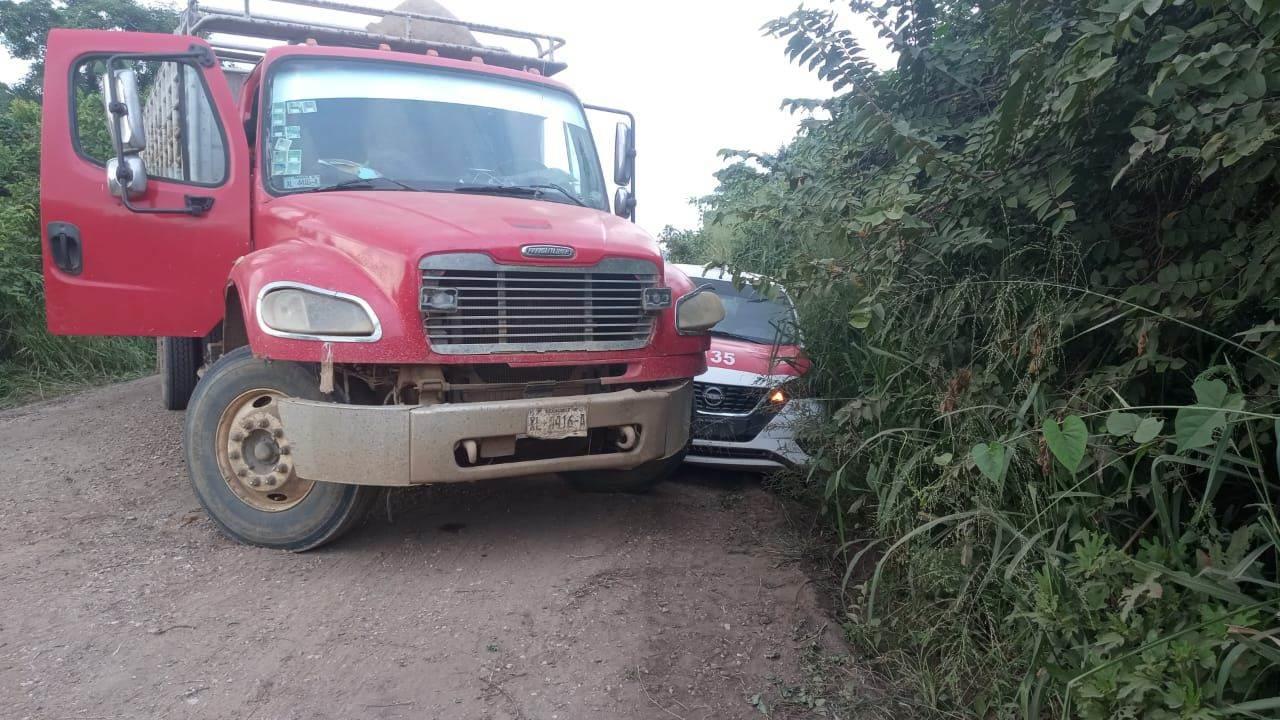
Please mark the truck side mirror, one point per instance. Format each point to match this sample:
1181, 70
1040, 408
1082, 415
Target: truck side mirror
124, 110
126, 176
126, 173
624, 155
624, 203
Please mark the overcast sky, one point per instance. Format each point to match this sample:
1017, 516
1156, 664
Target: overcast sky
697, 73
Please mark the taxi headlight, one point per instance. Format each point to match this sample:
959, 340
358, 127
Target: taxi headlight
298, 311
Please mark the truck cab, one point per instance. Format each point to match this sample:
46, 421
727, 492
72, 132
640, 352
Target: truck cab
384, 261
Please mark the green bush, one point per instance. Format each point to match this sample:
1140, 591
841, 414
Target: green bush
1038, 263
32, 362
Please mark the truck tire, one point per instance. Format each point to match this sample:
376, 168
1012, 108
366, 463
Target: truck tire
238, 456
179, 359
636, 480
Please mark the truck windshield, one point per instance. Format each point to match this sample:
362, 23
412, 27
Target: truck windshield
752, 316
332, 121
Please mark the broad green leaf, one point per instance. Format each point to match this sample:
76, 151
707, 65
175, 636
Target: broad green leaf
1067, 442
1163, 49
1255, 84
1151, 6
1145, 134
1147, 430
860, 318
1122, 424
943, 460
1210, 393
1100, 68
1195, 426
991, 459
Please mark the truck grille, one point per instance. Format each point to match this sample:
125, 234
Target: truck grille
726, 399
519, 308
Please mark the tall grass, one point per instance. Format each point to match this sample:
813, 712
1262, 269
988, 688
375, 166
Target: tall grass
33, 363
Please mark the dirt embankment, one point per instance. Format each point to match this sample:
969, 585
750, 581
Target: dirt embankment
516, 599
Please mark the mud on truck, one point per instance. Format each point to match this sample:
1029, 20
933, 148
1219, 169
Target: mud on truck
373, 258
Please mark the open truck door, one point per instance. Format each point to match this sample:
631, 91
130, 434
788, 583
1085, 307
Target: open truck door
144, 184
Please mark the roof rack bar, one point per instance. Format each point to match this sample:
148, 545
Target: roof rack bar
553, 43
201, 19
236, 56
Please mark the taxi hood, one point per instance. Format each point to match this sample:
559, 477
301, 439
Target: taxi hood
762, 359
401, 227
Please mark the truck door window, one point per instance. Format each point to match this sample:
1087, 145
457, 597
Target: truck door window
185, 141
429, 128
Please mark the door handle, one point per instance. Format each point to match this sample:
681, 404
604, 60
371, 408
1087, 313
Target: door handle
65, 248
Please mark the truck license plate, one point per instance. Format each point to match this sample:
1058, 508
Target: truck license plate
558, 423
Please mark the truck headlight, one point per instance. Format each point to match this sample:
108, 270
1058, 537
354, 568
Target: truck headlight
305, 312
698, 311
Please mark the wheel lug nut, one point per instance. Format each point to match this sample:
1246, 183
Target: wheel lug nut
242, 472
247, 424
237, 436
282, 467
234, 454
263, 423
284, 450
271, 480
255, 482
278, 433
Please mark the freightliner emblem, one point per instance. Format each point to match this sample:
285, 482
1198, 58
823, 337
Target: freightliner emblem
547, 251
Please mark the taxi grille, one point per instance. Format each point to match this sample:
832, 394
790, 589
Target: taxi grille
726, 399
516, 308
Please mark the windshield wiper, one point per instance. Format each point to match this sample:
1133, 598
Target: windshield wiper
534, 191
736, 336
358, 184
562, 190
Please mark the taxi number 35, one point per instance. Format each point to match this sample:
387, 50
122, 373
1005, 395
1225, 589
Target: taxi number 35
722, 358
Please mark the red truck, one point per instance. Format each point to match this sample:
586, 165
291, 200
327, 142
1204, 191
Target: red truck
373, 259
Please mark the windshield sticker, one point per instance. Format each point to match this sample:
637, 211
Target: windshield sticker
293, 132
302, 181
308, 106
277, 117
278, 168
294, 107
283, 143
294, 163
277, 131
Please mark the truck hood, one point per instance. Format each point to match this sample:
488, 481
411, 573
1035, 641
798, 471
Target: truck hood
402, 227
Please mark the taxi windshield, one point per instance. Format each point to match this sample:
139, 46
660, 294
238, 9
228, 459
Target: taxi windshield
751, 315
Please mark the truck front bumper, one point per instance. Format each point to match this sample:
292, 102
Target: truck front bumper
416, 445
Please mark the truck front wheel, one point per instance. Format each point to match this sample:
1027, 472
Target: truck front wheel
636, 480
239, 458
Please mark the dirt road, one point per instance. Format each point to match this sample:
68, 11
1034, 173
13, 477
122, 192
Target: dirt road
523, 599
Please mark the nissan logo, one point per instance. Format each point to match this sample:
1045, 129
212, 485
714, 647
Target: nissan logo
713, 396
547, 251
